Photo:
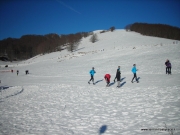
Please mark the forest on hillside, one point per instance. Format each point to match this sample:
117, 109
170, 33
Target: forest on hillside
156, 30
29, 46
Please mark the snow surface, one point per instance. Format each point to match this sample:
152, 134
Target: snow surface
55, 97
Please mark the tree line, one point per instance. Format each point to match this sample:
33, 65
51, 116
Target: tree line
29, 46
156, 30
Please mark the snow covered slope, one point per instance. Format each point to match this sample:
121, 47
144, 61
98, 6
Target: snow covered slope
55, 97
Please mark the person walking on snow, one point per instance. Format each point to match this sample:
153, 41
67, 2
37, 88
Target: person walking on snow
107, 78
134, 72
168, 67
92, 72
118, 76
17, 72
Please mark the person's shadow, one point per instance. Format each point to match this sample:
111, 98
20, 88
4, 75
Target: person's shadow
138, 79
98, 81
122, 84
122, 79
102, 129
111, 84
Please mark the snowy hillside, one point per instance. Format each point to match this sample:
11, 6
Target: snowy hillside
55, 98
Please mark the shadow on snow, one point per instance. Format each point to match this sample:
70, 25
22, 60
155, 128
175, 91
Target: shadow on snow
137, 79
122, 79
122, 84
102, 129
4, 87
111, 84
98, 81
17, 93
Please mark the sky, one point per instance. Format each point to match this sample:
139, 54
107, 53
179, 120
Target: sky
40, 17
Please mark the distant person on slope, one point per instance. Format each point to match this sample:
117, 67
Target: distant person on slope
17, 72
92, 72
168, 67
134, 72
107, 78
118, 76
27, 72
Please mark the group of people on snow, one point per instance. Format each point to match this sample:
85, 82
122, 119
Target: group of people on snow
108, 76
26, 72
118, 74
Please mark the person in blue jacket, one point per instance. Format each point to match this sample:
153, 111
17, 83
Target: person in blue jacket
92, 72
134, 72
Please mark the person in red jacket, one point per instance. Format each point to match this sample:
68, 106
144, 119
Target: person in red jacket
107, 78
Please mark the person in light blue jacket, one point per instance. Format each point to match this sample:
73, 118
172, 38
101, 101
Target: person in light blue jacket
134, 72
92, 72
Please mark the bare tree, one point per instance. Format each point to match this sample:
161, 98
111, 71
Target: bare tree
128, 27
72, 46
112, 28
94, 38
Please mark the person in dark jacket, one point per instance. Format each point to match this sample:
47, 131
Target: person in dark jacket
134, 72
92, 72
107, 78
27, 72
118, 76
168, 67
17, 72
